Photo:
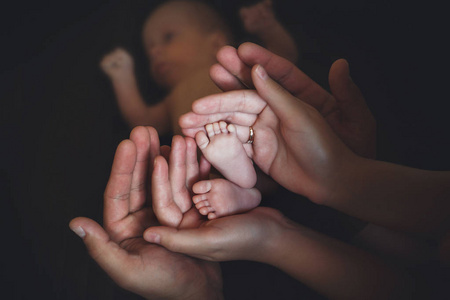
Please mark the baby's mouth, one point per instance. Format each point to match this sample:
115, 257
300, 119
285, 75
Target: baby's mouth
160, 68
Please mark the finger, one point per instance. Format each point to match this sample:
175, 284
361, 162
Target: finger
154, 144
288, 76
154, 151
228, 57
224, 79
204, 168
347, 94
242, 101
353, 110
118, 188
166, 211
192, 165
109, 255
193, 242
178, 173
140, 136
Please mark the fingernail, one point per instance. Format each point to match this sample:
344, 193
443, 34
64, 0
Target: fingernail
153, 238
79, 231
261, 72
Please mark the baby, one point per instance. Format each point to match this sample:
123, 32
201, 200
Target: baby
181, 39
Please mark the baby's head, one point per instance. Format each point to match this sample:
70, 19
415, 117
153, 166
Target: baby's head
182, 36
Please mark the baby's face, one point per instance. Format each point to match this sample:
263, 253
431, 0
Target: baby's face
175, 45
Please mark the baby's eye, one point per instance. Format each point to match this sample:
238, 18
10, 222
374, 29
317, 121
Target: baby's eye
168, 37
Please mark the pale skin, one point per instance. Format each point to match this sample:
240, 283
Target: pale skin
218, 197
225, 152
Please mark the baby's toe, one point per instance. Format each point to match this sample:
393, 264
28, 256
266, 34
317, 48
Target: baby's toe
216, 127
223, 126
202, 204
212, 216
206, 210
210, 130
202, 140
202, 187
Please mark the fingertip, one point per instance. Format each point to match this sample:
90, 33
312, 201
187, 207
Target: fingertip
88, 230
76, 227
260, 71
339, 70
152, 237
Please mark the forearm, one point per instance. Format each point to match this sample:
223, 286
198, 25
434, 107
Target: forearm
131, 103
335, 269
395, 196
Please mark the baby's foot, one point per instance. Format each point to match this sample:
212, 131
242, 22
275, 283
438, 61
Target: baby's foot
219, 197
222, 148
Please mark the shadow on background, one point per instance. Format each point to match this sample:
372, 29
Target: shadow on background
60, 123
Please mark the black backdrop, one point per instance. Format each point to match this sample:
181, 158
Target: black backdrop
60, 123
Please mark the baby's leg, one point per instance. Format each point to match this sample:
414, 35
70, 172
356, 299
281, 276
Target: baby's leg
219, 197
222, 148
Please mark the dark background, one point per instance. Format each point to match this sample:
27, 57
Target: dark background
60, 124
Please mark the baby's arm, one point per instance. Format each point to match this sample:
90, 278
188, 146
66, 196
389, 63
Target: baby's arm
119, 67
260, 20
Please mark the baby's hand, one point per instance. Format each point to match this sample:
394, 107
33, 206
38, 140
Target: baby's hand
259, 17
117, 64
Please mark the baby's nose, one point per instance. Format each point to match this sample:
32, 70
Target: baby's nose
155, 52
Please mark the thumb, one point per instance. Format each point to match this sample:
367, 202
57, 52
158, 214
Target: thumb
193, 242
109, 255
347, 94
285, 106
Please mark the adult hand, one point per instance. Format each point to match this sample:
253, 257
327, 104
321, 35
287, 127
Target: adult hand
248, 236
293, 143
143, 268
344, 109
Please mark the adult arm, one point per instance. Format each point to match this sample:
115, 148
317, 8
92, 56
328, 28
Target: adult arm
296, 147
331, 267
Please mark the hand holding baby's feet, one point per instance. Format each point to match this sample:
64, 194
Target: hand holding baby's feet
222, 148
219, 197
117, 64
258, 18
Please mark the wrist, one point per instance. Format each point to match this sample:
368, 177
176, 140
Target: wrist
272, 247
343, 182
123, 79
